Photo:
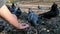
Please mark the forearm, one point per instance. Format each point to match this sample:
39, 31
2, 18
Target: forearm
5, 13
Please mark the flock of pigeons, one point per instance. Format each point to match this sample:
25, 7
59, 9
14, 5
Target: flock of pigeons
32, 18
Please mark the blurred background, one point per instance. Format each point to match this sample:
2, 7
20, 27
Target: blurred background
25, 4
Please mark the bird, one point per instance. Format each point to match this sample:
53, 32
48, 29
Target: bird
52, 13
18, 12
32, 18
12, 8
15, 10
39, 7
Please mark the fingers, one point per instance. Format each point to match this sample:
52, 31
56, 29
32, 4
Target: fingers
23, 25
26, 26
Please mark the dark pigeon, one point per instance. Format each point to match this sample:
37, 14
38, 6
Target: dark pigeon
32, 18
52, 13
15, 11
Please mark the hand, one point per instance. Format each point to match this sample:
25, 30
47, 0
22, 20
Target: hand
23, 26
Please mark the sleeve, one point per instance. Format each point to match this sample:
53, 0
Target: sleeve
2, 2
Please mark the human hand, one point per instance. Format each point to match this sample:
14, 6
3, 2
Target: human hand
23, 25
